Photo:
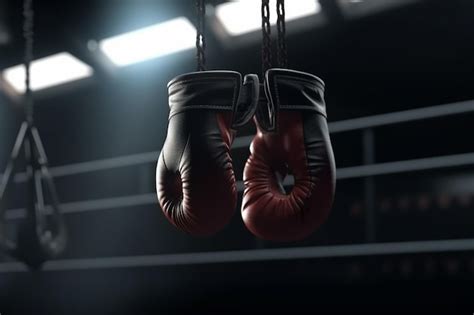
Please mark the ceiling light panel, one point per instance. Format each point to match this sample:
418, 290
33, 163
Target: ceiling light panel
47, 72
150, 42
244, 16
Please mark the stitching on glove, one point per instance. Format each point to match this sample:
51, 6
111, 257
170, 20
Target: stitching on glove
218, 107
199, 79
306, 107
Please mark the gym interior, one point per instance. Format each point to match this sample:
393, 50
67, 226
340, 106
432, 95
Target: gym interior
398, 94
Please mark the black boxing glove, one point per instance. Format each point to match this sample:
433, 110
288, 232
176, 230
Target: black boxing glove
195, 179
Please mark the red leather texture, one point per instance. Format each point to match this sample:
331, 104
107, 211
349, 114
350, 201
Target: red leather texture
299, 144
271, 213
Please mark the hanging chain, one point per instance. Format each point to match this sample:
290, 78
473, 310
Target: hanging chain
200, 38
266, 40
28, 15
282, 48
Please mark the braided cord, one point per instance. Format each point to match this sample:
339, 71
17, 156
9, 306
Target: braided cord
200, 38
266, 38
28, 57
281, 26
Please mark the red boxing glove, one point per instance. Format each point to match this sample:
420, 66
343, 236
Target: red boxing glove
292, 137
195, 179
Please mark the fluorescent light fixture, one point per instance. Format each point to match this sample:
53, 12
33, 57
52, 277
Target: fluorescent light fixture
46, 72
244, 16
150, 42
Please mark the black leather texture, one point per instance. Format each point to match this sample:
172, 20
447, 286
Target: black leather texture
195, 179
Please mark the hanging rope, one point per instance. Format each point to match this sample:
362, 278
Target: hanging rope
200, 38
28, 16
282, 47
266, 40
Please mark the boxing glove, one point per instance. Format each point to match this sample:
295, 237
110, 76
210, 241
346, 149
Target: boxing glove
292, 138
195, 180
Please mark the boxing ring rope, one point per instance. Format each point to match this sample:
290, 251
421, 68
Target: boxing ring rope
253, 255
363, 171
448, 161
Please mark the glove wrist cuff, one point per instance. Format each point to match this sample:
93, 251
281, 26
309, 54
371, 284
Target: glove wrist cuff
295, 90
208, 90
215, 90
289, 90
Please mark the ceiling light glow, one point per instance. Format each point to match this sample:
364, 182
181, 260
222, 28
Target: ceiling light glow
243, 16
150, 42
46, 72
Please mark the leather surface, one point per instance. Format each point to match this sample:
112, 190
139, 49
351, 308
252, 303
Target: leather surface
265, 112
293, 90
195, 180
300, 145
248, 100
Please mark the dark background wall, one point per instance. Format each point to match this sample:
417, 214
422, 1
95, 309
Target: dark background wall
407, 56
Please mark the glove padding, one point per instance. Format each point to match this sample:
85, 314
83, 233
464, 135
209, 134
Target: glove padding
195, 180
292, 137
